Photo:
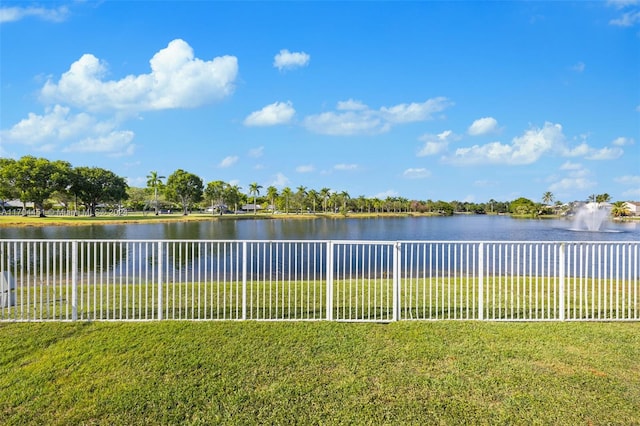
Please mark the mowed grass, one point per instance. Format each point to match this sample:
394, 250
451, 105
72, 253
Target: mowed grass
510, 298
183, 372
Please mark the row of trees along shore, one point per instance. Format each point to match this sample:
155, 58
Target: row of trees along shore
57, 184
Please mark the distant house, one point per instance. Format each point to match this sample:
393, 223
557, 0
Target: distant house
14, 205
633, 207
251, 207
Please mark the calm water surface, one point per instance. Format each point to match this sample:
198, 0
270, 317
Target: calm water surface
454, 228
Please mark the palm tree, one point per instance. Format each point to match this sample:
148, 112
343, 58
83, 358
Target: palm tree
254, 189
344, 195
313, 197
215, 192
620, 209
272, 194
286, 194
324, 194
232, 195
547, 198
361, 202
301, 193
154, 181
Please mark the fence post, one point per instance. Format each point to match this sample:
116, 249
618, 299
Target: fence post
397, 255
329, 275
481, 281
160, 278
561, 285
74, 280
244, 280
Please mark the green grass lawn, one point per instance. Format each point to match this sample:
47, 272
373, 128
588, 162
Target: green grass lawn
511, 298
319, 373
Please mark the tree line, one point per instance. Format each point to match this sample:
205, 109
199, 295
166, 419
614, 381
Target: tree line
45, 183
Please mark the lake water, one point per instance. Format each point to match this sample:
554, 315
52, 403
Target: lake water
453, 228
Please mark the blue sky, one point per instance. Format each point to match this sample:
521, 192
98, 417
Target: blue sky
457, 100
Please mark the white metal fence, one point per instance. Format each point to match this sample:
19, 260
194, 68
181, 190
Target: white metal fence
64, 280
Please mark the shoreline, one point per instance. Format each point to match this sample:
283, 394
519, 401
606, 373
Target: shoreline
36, 221
28, 221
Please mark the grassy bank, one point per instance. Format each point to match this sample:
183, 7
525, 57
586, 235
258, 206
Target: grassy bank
16, 221
320, 373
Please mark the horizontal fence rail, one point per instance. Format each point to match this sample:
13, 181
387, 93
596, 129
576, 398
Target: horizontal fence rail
125, 280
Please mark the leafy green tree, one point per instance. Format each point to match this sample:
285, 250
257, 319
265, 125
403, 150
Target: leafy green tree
377, 204
35, 179
254, 190
522, 206
94, 185
233, 196
63, 198
443, 208
136, 198
155, 183
7, 181
214, 192
184, 188
603, 198
547, 198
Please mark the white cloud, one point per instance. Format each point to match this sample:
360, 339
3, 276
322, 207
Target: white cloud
579, 67
228, 161
413, 112
177, 80
620, 4
115, 144
13, 14
416, 173
436, 144
59, 129
577, 178
605, 153
351, 105
632, 193
628, 180
628, 19
355, 118
570, 166
622, 141
346, 124
571, 184
307, 168
345, 167
256, 152
289, 60
579, 151
280, 181
483, 126
386, 194
525, 149
271, 115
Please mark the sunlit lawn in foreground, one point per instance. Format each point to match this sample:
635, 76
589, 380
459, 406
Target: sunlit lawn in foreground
319, 373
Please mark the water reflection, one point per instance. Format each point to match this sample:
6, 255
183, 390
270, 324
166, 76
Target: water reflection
456, 228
